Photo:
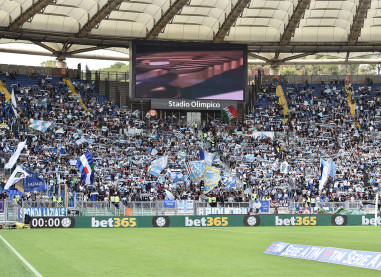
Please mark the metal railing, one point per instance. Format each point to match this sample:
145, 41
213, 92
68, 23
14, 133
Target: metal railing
106, 75
15, 212
299, 207
99, 208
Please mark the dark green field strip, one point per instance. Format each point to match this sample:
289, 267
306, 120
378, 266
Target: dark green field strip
229, 252
10, 264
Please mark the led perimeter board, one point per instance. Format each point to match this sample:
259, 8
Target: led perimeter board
175, 70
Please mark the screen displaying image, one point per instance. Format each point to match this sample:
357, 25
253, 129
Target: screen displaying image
189, 72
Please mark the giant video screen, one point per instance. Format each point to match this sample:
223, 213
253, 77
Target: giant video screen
189, 71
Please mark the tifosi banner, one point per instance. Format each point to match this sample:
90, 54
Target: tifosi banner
42, 212
195, 105
222, 210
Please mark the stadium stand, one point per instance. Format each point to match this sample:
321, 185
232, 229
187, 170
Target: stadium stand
318, 124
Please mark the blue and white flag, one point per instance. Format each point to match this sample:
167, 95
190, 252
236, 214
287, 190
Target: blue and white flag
169, 195
39, 125
136, 113
333, 168
33, 182
230, 181
195, 169
327, 168
86, 167
211, 178
284, 167
158, 165
59, 150
210, 158
83, 140
14, 104
175, 175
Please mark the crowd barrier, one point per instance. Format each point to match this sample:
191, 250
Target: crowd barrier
202, 221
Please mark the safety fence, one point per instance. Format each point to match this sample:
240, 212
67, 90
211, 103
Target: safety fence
203, 221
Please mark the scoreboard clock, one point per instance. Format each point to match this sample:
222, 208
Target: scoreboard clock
52, 222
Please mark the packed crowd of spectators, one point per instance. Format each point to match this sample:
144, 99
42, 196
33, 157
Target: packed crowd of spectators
124, 142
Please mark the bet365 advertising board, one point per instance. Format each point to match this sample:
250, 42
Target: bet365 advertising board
203, 221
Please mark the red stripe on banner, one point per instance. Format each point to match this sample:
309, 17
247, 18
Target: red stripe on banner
233, 111
86, 170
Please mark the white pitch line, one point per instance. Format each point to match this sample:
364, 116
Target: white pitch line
22, 258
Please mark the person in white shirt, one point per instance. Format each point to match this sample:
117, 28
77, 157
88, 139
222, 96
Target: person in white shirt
257, 206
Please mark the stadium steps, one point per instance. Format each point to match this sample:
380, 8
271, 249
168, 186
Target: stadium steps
123, 92
74, 92
6, 92
113, 87
282, 100
8, 98
101, 98
352, 106
124, 89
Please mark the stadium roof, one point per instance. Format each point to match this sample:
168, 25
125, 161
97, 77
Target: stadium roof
273, 29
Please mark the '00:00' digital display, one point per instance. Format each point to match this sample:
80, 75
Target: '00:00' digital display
52, 222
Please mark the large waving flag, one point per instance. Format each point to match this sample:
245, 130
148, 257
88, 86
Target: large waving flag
33, 182
18, 174
175, 175
13, 101
211, 178
15, 156
210, 157
327, 168
158, 165
169, 195
39, 125
195, 169
229, 113
86, 167
230, 181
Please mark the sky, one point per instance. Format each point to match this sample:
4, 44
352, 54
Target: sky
34, 60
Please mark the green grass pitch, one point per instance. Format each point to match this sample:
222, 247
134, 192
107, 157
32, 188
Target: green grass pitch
179, 251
